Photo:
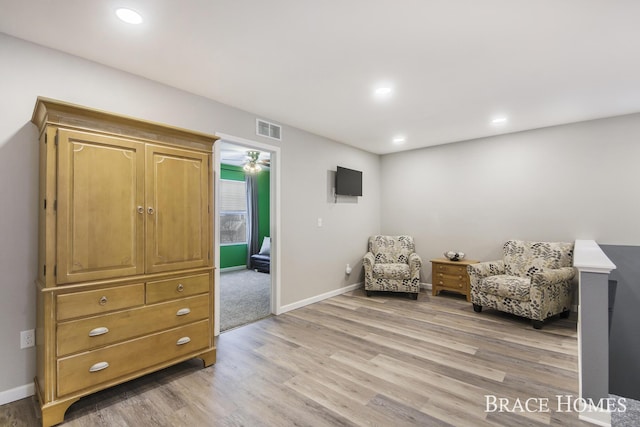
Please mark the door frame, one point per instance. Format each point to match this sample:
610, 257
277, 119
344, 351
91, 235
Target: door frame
274, 218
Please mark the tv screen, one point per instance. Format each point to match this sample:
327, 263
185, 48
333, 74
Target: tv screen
348, 182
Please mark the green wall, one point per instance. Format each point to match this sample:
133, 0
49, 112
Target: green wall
264, 223
236, 255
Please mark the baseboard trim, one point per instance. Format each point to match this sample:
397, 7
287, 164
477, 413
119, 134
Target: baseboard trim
319, 298
17, 393
594, 415
235, 268
330, 294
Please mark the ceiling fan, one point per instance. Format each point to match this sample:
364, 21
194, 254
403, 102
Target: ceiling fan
253, 162
238, 156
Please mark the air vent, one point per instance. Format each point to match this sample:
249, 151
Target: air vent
270, 130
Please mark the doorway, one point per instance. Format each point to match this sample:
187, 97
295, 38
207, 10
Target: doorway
245, 291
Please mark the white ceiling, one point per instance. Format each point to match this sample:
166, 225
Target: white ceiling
454, 64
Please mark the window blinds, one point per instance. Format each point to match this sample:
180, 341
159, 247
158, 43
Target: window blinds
233, 196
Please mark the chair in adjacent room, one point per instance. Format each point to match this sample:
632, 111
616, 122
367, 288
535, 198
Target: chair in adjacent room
533, 280
392, 265
262, 260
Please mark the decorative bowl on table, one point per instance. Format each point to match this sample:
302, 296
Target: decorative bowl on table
454, 256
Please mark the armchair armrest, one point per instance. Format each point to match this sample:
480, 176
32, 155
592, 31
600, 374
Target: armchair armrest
415, 263
485, 269
479, 271
553, 276
368, 260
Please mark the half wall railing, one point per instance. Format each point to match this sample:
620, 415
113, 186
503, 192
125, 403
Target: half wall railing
593, 331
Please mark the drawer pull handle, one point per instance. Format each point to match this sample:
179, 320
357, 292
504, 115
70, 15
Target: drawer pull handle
103, 300
99, 367
98, 331
180, 288
183, 340
183, 311
150, 210
140, 209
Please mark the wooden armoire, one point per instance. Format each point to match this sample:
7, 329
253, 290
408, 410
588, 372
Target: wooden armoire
125, 262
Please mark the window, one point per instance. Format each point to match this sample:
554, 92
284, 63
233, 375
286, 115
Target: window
233, 212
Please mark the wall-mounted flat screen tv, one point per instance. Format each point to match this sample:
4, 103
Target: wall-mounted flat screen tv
348, 182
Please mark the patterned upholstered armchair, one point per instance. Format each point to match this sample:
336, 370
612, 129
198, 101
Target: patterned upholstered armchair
532, 280
391, 264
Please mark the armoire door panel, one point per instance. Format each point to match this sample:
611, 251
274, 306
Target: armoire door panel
100, 229
177, 189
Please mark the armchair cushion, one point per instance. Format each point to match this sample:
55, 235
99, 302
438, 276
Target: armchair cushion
392, 271
517, 288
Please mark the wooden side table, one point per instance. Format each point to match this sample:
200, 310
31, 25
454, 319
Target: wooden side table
451, 276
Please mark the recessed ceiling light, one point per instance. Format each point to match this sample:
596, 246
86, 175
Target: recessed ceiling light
399, 140
129, 16
382, 91
499, 120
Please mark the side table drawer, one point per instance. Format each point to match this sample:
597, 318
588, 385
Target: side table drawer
453, 284
110, 363
180, 287
452, 270
93, 332
86, 303
450, 278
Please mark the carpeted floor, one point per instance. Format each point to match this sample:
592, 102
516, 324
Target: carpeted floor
630, 417
245, 296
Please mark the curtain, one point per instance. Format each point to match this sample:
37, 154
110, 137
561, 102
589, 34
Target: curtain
253, 245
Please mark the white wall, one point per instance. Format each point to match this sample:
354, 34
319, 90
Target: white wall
313, 258
561, 183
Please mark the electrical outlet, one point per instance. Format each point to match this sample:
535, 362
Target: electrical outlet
27, 338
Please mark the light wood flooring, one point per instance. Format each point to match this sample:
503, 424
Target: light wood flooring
350, 361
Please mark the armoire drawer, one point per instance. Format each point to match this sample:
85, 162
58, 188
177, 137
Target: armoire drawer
92, 332
87, 303
107, 364
180, 287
